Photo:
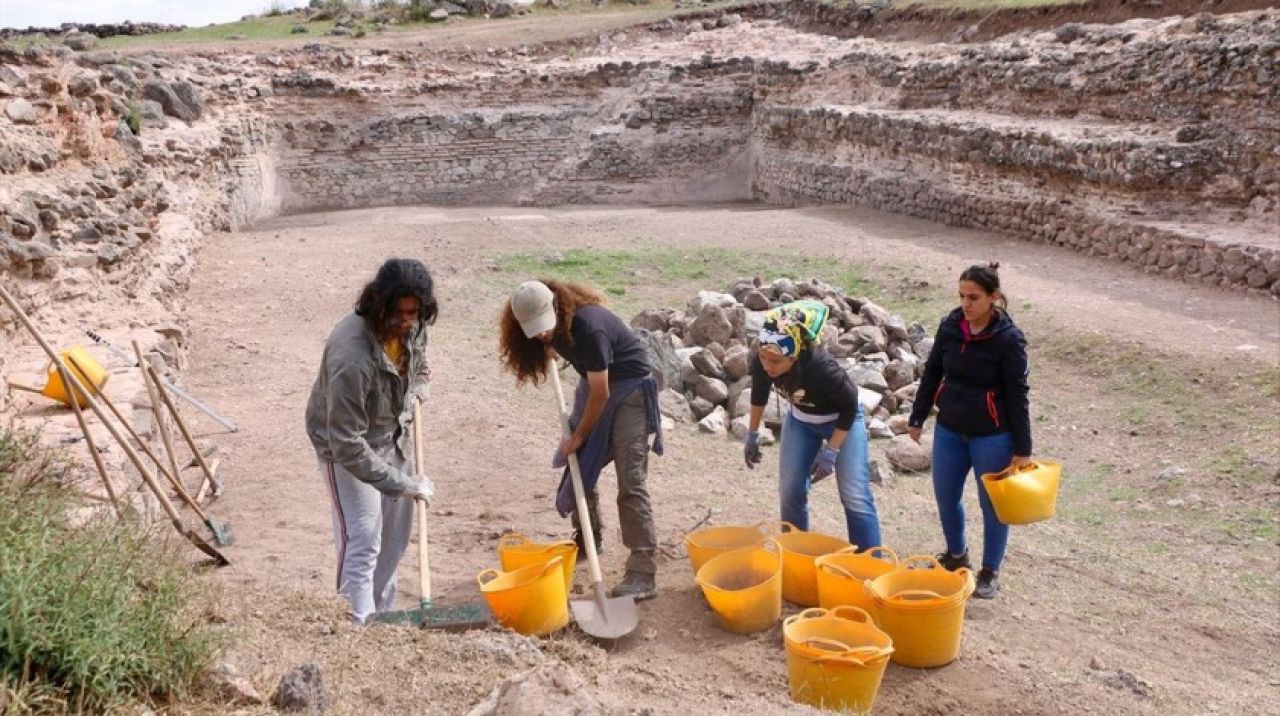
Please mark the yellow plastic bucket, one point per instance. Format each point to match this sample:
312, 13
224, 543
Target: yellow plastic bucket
799, 550
841, 576
1024, 495
531, 600
715, 541
920, 606
744, 588
835, 658
516, 551
82, 365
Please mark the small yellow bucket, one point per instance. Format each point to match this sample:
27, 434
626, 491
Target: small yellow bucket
715, 541
836, 658
841, 576
744, 587
799, 550
531, 600
1024, 495
82, 365
920, 606
516, 551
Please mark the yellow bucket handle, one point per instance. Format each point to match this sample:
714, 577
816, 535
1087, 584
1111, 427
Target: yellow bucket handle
825, 644
835, 569
915, 595
772, 546
842, 653
880, 554
492, 574
1011, 471
783, 526
851, 613
512, 539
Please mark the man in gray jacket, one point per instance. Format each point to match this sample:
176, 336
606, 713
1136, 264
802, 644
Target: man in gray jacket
360, 421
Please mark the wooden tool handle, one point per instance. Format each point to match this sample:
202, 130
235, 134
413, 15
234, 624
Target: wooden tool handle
420, 506
161, 425
27, 388
575, 475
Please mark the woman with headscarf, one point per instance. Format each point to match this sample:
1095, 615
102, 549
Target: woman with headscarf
824, 432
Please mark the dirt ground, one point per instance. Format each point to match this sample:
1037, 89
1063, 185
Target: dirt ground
1153, 591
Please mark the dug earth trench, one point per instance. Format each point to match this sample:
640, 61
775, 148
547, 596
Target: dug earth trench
1125, 175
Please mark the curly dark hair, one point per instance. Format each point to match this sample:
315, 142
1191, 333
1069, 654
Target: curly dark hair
527, 357
397, 279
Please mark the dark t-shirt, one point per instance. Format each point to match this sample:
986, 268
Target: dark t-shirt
601, 341
816, 385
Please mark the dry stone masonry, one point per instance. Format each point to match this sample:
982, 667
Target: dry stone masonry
1152, 142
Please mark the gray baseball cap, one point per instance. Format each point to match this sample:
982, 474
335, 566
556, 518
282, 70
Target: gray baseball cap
534, 307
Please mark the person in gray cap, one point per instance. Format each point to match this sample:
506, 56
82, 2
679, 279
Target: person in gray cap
615, 408
360, 422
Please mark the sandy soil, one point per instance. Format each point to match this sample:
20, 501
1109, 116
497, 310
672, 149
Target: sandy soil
1170, 632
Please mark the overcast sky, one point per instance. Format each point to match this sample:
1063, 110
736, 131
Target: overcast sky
51, 13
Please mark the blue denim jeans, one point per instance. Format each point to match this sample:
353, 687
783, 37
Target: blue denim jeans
800, 444
953, 457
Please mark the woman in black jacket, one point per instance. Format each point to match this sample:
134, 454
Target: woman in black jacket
824, 432
977, 376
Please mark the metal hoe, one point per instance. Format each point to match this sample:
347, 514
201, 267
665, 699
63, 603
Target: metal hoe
605, 617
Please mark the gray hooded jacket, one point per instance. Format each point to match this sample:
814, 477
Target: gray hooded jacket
359, 409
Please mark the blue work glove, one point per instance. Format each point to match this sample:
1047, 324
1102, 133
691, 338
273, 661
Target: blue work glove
751, 450
825, 463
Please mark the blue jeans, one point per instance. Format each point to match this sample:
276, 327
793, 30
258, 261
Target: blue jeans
800, 444
953, 456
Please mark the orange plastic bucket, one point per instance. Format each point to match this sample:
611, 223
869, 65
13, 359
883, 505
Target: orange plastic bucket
842, 576
531, 600
1024, 495
744, 588
715, 541
921, 606
836, 658
799, 551
516, 551
88, 371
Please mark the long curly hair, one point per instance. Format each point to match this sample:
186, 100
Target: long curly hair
527, 357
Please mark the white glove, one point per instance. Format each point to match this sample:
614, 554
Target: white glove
423, 489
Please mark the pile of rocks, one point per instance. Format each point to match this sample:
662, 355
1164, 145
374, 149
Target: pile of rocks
97, 30
701, 357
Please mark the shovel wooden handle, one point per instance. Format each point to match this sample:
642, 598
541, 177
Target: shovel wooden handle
575, 474
420, 506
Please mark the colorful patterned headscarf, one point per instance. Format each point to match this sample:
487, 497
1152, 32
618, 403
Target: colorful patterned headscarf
793, 326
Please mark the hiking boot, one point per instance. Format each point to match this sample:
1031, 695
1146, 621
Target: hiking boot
951, 564
639, 585
988, 584
582, 549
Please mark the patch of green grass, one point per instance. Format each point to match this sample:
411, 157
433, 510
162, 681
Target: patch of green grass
620, 272
255, 28
98, 614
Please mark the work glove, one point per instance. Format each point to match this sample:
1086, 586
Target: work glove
751, 450
824, 464
421, 489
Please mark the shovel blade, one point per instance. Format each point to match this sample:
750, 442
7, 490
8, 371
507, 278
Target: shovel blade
609, 618
447, 618
205, 547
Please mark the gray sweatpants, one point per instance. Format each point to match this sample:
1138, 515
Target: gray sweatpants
630, 441
371, 532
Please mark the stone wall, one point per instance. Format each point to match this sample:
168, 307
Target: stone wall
603, 141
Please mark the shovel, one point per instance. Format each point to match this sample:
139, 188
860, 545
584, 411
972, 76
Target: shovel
604, 617
458, 618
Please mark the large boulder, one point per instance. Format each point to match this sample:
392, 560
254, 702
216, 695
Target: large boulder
652, 319
899, 375
664, 359
904, 454
711, 326
715, 423
711, 389
706, 364
674, 405
178, 99
20, 111
737, 362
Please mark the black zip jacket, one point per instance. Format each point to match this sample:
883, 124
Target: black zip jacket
979, 383
816, 384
